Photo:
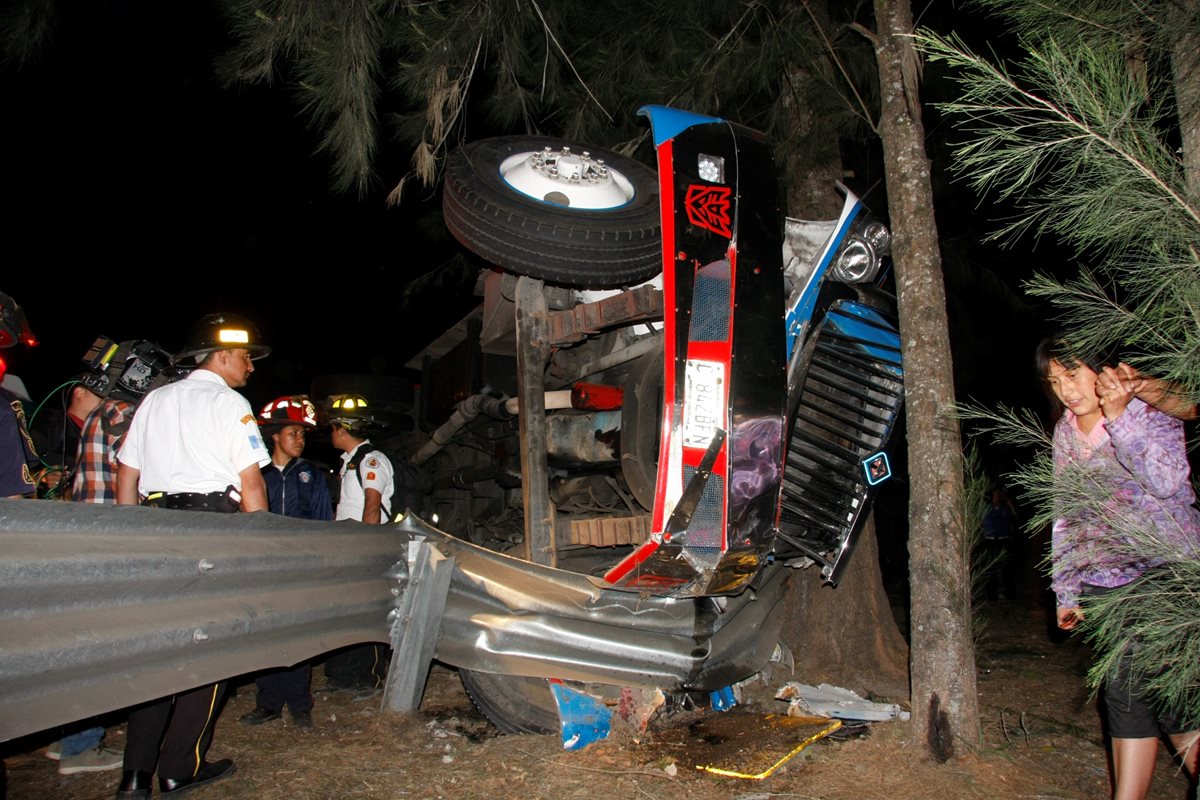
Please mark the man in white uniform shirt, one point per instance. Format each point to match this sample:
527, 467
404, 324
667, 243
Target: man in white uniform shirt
193, 445
366, 496
366, 474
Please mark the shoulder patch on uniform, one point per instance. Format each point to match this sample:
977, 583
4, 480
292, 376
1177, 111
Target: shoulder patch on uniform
246, 420
256, 443
304, 477
370, 476
372, 461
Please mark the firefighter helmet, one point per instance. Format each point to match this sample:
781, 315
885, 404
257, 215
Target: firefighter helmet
289, 410
352, 412
223, 332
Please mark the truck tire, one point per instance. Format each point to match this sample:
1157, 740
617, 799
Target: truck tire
506, 200
513, 703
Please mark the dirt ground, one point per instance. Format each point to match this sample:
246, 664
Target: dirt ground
1040, 739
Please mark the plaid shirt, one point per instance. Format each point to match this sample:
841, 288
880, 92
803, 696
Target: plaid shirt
100, 438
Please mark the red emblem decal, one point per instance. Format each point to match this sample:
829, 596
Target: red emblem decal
708, 207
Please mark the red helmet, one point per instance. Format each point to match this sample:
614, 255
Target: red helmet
294, 409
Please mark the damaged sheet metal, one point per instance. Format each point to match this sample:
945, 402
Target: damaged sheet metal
110, 606
834, 701
508, 616
585, 719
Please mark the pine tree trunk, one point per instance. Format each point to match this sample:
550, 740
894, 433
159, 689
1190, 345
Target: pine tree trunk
847, 636
945, 705
1185, 66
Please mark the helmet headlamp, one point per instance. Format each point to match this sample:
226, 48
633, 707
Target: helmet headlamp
222, 332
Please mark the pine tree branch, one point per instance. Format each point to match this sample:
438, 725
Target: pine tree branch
864, 111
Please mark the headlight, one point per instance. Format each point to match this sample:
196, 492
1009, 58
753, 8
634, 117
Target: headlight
855, 263
879, 237
861, 254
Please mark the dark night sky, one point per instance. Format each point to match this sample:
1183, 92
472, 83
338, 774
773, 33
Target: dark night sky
141, 195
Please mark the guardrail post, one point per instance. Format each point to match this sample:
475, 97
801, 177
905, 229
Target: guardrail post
416, 625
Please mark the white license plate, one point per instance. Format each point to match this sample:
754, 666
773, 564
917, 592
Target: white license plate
703, 402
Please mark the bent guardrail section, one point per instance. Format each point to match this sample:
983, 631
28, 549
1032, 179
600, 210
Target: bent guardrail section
508, 616
107, 607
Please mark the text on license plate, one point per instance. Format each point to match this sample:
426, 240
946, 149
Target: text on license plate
703, 402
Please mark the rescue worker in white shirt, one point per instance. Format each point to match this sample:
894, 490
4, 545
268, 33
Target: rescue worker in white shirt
195, 445
365, 495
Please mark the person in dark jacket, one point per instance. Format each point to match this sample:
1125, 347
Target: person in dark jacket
295, 488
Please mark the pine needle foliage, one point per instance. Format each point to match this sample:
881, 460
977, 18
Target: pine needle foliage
1153, 34
1082, 147
1082, 155
26, 29
427, 75
333, 50
972, 506
1159, 617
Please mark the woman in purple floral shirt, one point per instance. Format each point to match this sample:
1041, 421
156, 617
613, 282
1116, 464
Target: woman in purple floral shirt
1128, 462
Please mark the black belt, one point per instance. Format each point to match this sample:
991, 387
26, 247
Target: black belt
226, 502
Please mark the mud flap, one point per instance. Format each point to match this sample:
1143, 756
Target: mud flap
585, 719
724, 364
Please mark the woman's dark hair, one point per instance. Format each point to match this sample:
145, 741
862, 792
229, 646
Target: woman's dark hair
1056, 347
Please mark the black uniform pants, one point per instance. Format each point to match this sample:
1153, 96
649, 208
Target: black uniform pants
172, 735
288, 686
362, 666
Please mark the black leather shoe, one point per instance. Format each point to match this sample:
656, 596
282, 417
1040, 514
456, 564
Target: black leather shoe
259, 715
134, 786
208, 773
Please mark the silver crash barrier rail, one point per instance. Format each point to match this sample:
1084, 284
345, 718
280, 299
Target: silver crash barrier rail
108, 607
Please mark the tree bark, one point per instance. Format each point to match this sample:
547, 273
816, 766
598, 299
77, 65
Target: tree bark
945, 705
847, 636
1185, 66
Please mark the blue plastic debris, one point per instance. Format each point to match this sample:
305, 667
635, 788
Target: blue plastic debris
584, 718
722, 699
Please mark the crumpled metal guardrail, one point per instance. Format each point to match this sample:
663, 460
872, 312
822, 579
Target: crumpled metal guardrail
107, 607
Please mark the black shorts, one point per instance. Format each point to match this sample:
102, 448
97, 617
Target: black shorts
1129, 712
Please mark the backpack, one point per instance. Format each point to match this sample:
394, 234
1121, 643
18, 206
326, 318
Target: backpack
411, 484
